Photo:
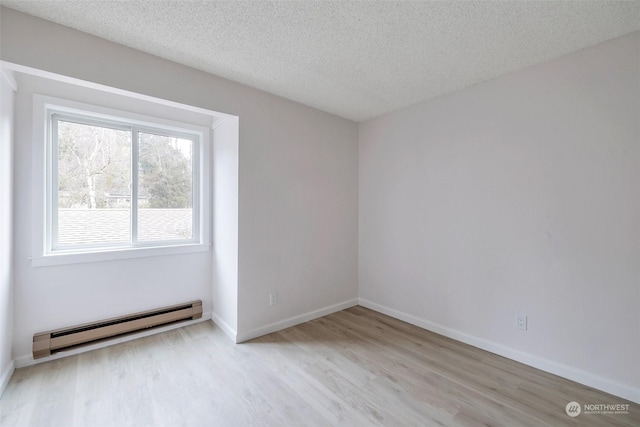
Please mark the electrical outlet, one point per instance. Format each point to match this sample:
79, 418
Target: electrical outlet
521, 322
273, 298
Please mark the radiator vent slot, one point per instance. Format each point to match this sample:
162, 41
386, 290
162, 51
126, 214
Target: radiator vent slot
47, 343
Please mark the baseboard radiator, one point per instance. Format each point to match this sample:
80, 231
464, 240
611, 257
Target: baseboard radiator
47, 343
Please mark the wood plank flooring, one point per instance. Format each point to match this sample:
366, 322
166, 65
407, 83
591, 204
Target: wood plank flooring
352, 368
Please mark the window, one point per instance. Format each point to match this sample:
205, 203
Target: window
113, 182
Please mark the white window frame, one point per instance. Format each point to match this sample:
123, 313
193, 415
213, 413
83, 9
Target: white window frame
45, 250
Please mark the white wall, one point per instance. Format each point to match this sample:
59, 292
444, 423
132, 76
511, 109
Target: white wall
7, 86
225, 226
518, 195
298, 215
297, 229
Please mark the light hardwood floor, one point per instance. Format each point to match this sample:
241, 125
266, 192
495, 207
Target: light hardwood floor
352, 368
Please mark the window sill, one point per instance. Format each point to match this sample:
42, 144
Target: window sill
116, 254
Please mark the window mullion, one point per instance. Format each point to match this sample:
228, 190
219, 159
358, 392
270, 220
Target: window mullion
134, 185
196, 197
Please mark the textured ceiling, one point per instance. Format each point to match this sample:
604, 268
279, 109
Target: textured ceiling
354, 59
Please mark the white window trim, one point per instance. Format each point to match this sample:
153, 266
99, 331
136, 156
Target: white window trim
41, 249
55, 115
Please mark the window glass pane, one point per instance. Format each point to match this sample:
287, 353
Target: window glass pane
165, 192
94, 190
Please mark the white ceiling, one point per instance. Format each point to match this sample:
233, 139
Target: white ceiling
354, 59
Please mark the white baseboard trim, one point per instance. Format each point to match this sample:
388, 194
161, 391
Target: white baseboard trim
618, 389
224, 326
27, 360
6, 376
295, 320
